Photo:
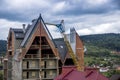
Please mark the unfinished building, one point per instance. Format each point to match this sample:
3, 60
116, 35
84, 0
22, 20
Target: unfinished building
32, 53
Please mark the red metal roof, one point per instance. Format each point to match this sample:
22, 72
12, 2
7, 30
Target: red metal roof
70, 73
94, 74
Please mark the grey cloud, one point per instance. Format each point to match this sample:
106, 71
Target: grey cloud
72, 8
116, 3
83, 8
12, 16
76, 13
12, 13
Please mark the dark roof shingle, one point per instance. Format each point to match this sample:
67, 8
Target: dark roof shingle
28, 33
19, 34
62, 49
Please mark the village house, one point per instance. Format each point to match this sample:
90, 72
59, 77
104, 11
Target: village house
33, 54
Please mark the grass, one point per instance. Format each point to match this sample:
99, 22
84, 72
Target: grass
88, 59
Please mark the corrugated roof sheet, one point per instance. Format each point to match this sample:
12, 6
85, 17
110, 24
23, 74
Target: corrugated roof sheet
94, 74
70, 73
75, 75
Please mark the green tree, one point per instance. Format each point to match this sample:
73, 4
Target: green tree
1, 75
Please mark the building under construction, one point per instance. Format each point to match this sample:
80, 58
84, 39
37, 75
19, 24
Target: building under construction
33, 54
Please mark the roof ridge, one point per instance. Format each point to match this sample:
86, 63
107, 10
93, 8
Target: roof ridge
28, 35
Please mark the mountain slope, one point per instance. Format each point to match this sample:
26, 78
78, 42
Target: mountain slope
103, 44
97, 44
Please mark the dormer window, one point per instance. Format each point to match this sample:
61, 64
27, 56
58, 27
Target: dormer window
61, 46
17, 35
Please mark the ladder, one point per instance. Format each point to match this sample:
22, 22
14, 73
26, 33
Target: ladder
74, 58
61, 28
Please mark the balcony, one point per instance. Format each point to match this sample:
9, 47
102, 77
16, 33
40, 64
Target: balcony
35, 68
45, 47
32, 56
49, 75
49, 64
35, 46
30, 65
32, 79
52, 68
31, 69
48, 56
30, 75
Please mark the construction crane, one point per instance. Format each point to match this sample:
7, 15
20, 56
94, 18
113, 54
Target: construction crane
61, 28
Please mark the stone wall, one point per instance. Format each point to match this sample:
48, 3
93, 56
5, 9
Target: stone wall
17, 70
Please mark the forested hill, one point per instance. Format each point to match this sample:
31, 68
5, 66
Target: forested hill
102, 43
3, 44
97, 43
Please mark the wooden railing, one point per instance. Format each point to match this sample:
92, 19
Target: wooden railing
32, 56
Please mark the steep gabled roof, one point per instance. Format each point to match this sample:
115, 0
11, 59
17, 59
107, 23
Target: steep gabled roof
29, 32
37, 28
30, 29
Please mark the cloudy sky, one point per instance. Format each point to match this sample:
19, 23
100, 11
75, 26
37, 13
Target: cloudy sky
87, 16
